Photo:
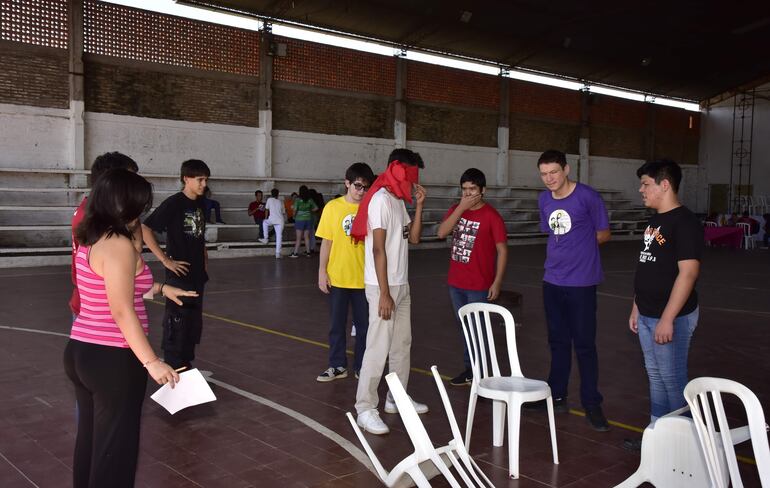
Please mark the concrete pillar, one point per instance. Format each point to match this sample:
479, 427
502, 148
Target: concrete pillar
650, 131
76, 103
264, 163
399, 122
583, 170
503, 133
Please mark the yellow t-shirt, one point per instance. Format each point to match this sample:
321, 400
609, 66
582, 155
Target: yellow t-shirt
346, 259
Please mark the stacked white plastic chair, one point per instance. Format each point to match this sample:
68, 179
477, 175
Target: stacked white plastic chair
508, 393
748, 239
452, 454
704, 395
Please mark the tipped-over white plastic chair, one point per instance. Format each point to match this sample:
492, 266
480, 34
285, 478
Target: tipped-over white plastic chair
703, 394
465, 465
671, 455
508, 393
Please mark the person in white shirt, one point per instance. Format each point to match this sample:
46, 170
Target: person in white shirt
384, 222
275, 218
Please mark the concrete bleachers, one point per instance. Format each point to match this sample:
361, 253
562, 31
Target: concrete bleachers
36, 206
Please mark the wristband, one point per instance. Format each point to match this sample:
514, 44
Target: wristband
161, 289
147, 363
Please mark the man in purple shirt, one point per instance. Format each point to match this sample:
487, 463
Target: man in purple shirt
576, 220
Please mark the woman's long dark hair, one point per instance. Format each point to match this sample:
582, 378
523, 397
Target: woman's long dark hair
117, 199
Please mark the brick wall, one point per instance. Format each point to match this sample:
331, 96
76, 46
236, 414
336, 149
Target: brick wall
146, 90
300, 108
32, 75
677, 134
318, 65
440, 84
543, 101
451, 125
528, 134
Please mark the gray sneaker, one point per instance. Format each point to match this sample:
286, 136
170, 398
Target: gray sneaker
332, 374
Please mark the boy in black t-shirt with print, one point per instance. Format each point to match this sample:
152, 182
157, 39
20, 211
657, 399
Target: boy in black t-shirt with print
665, 309
182, 217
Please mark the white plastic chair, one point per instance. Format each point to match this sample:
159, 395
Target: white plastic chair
748, 239
705, 394
711, 224
671, 455
425, 456
456, 446
505, 391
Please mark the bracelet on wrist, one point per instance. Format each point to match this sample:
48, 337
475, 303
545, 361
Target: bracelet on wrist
147, 363
161, 289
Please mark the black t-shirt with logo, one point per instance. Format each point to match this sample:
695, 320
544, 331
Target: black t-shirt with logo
182, 221
670, 237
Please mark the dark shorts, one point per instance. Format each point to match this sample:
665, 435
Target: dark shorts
303, 225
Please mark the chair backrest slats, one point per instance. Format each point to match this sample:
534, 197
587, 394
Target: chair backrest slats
477, 328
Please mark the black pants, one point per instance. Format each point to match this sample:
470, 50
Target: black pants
182, 329
110, 385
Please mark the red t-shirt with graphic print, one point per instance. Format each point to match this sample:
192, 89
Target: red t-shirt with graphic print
473, 253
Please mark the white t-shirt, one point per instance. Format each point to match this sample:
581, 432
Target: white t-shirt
275, 207
389, 213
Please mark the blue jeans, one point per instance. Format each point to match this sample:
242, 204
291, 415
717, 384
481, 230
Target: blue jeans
339, 300
462, 297
666, 364
570, 312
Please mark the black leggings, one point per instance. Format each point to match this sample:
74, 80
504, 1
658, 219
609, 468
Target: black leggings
110, 385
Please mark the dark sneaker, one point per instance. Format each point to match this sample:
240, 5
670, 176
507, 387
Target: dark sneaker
559, 405
332, 374
308, 255
356, 374
633, 445
597, 419
293, 255
462, 379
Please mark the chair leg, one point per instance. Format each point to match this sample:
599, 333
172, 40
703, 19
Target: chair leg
469, 421
498, 422
634, 480
552, 426
514, 421
418, 477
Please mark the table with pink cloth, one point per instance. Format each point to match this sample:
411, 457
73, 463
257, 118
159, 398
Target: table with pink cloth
724, 236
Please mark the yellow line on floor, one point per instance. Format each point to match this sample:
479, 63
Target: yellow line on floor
267, 330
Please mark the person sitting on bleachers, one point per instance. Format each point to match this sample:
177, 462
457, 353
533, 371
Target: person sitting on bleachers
257, 211
209, 204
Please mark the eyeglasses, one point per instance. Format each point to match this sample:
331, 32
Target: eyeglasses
360, 187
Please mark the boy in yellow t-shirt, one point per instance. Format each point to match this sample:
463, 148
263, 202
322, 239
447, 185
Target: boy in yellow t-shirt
341, 272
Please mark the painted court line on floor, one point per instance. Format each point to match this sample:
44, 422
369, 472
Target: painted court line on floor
354, 451
348, 446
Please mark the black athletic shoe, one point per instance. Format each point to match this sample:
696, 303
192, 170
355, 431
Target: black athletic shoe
633, 445
559, 405
462, 379
597, 419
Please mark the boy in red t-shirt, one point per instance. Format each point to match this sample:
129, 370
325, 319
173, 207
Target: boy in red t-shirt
479, 252
257, 210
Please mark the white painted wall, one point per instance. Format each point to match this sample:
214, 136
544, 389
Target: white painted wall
311, 155
716, 143
37, 138
160, 146
34, 137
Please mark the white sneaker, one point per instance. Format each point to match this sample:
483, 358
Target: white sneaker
263, 241
390, 406
371, 422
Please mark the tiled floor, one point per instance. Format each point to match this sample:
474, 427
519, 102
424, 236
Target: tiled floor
264, 332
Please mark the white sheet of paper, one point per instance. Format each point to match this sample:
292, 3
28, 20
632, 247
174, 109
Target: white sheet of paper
192, 389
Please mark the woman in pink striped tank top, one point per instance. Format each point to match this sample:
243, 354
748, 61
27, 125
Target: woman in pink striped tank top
108, 356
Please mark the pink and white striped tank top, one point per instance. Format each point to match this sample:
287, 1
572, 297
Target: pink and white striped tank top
94, 323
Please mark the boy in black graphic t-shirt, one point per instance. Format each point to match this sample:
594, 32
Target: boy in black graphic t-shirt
182, 217
665, 309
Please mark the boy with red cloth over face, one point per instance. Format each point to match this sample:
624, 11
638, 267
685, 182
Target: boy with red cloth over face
385, 225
